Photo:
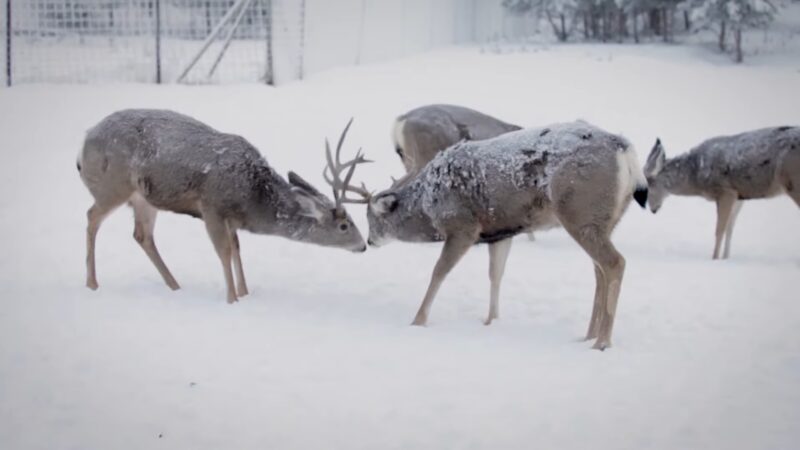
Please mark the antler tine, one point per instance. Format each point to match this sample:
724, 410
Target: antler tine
357, 160
341, 140
335, 175
332, 173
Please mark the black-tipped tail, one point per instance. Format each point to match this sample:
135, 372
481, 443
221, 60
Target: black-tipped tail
640, 195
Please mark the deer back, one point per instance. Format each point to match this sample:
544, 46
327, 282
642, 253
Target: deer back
425, 131
510, 183
175, 162
748, 163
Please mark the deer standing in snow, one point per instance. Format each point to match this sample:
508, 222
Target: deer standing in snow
728, 170
574, 175
161, 160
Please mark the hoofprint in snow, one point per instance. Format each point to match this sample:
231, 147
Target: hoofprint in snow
706, 353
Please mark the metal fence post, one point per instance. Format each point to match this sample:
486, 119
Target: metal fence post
301, 66
8, 43
269, 77
158, 41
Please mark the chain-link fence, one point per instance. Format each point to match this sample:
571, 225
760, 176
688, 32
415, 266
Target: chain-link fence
211, 41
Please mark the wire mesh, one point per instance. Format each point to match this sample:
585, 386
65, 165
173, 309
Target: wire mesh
81, 41
245, 40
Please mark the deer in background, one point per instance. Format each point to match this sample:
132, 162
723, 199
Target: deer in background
574, 175
161, 160
423, 132
420, 134
728, 170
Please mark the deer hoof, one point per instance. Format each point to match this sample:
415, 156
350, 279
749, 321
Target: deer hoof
419, 322
601, 345
92, 285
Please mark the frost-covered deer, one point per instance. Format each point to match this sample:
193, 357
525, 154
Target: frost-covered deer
420, 134
423, 132
162, 160
728, 170
573, 174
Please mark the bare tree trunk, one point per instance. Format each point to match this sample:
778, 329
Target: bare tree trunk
563, 28
635, 26
737, 35
655, 21
586, 26
560, 33
722, 30
664, 25
687, 21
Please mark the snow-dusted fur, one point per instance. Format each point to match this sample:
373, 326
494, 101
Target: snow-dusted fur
162, 160
573, 174
420, 134
728, 170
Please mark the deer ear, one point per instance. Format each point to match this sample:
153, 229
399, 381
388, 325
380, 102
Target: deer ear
309, 207
296, 181
655, 162
384, 204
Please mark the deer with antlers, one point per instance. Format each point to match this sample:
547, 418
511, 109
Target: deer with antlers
574, 175
162, 160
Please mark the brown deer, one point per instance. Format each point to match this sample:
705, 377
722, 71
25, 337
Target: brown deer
574, 175
161, 160
728, 170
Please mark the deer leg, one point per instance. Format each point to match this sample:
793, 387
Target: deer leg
724, 208
454, 248
599, 300
144, 216
729, 229
612, 267
220, 236
498, 255
95, 215
241, 285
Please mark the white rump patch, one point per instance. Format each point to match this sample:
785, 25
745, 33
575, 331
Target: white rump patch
397, 134
629, 176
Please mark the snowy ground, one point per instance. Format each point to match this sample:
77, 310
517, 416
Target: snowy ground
320, 355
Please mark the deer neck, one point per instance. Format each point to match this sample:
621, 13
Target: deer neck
676, 176
276, 212
410, 220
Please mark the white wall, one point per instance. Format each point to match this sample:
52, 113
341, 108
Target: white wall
361, 31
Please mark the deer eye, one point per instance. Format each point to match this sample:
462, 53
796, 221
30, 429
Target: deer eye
344, 226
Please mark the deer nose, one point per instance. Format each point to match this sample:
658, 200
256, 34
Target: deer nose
362, 249
369, 241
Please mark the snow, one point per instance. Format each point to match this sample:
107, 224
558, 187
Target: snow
320, 355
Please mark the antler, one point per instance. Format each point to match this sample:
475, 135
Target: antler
336, 167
